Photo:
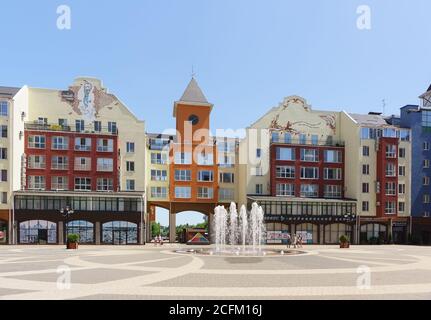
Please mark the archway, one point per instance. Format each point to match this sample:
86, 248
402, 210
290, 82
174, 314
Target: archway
191, 225
159, 224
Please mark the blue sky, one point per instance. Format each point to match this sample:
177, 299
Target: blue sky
247, 54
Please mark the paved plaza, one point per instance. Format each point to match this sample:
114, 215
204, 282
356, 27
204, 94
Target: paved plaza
148, 272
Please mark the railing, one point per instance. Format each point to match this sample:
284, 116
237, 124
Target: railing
105, 168
59, 186
104, 149
67, 128
59, 166
82, 148
308, 142
35, 165
83, 167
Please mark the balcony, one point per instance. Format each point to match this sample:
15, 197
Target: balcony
82, 167
38, 126
59, 166
82, 147
59, 187
308, 142
105, 168
36, 165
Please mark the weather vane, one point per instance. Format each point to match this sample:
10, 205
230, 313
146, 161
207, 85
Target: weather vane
193, 72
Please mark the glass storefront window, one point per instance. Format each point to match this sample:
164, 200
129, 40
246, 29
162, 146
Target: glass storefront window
120, 232
38, 231
85, 230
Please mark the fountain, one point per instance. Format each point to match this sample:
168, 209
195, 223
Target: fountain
239, 234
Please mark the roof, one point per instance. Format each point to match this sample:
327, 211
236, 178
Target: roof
9, 91
368, 119
193, 93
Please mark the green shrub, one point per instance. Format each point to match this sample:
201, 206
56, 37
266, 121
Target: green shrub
73, 238
344, 239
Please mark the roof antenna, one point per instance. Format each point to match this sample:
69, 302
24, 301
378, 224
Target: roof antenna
193, 72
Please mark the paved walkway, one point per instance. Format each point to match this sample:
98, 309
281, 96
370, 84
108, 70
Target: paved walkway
148, 272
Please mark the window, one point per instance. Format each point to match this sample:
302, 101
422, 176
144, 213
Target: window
183, 175
159, 175
158, 192
36, 182
183, 158
60, 143
257, 171
365, 206
105, 145
130, 185
4, 106
225, 146
391, 170
112, 127
82, 164
426, 181
285, 172
332, 191
287, 138
226, 194
4, 197
159, 158
391, 151
402, 171
79, 125
62, 122
285, 190
205, 193
309, 155
3, 176
205, 159
59, 163
227, 177
275, 137
309, 191
302, 139
130, 147
426, 164
426, 118
426, 146
3, 131
59, 183
365, 188
83, 184
97, 126
36, 162
42, 120
130, 166
285, 154
391, 188
105, 184
390, 207
402, 152
3, 153
365, 133
366, 151
402, 188
226, 161
401, 206
314, 140
426, 198
332, 156
82, 144
366, 169
36, 142
259, 188
183, 192
205, 176
309, 173
258, 153
332, 173
390, 133
405, 135
105, 164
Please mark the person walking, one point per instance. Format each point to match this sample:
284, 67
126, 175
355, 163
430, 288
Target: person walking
300, 241
289, 240
295, 240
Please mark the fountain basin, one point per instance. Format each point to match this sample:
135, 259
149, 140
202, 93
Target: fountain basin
240, 253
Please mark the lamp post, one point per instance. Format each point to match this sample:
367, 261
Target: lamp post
66, 212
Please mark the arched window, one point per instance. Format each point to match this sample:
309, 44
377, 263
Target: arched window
38, 231
85, 230
120, 232
309, 233
333, 232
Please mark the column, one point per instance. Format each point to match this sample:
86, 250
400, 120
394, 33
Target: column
322, 234
141, 232
148, 229
97, 233
60, 231
172, 227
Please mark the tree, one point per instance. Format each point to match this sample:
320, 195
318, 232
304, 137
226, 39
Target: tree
155, 229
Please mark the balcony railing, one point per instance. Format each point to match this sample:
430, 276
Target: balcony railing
36, 165
37, 126
79, 147
59, 166
308, 142
82, 167
105, 168
59, 186
104, 149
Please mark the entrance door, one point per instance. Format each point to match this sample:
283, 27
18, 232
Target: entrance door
120, 237
42, 236
399, 235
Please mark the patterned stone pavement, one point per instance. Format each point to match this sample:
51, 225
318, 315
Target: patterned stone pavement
148, 272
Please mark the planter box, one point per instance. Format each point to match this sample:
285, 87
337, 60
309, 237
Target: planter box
344, 245
72, 246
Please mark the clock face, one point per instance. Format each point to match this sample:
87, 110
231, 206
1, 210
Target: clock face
194, 119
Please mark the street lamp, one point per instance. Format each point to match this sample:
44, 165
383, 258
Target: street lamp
66, 212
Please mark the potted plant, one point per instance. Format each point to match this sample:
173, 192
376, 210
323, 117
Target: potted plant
344, 242
72, 241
